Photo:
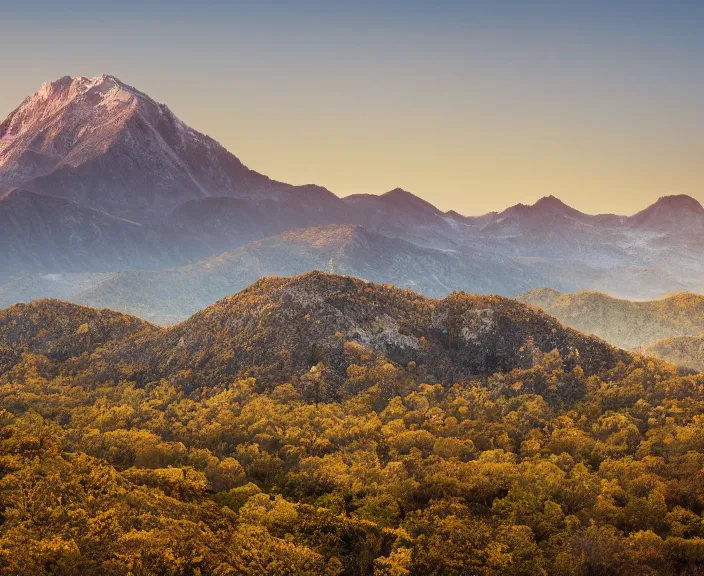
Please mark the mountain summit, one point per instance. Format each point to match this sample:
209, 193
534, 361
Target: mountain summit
553, 205
549, 214
111, 180
673, 212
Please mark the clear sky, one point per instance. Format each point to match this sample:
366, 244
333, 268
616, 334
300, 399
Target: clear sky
472, 105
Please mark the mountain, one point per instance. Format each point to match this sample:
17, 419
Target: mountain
670, 236
283, 326
531, 218
28, 287
623, 323
670, 214
208, 226
110, 147
97, 177
552, 230
547, 217
606, 252
402, 214
323, 425
279, 327
684, 351
168, 296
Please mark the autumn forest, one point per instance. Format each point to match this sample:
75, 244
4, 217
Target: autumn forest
347, 453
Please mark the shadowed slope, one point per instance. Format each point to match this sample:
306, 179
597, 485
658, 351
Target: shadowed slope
59, 330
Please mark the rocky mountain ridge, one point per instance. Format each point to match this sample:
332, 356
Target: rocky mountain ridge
282, 326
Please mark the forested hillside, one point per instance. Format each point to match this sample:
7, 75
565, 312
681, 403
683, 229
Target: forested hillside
684, 351
321, 425
624, 323
280, 327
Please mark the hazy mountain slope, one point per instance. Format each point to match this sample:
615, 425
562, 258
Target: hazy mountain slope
679, 213
624, 323
28, 287
170, 295
208, 226
53, 235
532, 218
683, 351
101, 145
550, 229
106, 149
626, 257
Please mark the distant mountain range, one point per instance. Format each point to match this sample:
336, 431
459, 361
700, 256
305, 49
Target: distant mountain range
107, 198
169, 296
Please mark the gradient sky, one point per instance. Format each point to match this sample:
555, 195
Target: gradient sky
472, 105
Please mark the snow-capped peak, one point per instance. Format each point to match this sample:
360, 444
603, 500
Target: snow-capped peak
73, 107
67, 88
83, 95
86, 128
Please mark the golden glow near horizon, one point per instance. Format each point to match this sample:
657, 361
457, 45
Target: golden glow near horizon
495, 164
471, 111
